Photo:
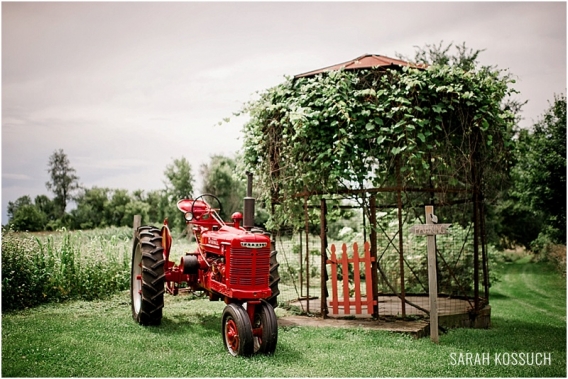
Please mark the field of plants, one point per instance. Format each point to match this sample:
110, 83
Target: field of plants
58, 266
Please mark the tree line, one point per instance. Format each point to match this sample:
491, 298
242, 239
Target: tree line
99, 207
530, 212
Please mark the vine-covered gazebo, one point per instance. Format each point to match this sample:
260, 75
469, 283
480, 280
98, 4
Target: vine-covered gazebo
389, 137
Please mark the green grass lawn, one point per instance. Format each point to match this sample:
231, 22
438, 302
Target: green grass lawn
100, 339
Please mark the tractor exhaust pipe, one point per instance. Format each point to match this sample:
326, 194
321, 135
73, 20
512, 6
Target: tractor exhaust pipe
248, 217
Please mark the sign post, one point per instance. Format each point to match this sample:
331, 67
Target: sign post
431, 229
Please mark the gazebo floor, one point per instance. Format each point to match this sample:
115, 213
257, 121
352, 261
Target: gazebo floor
452, 313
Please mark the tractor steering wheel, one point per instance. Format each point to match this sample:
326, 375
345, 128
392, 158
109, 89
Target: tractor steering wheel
210, 195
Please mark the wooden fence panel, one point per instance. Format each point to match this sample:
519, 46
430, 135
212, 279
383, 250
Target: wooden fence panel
346, 301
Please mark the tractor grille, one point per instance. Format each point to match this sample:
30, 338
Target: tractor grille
250, 267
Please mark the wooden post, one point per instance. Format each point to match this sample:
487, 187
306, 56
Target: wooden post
307, 255
431, 229
374, 277
137, 221
301, 255
400, 240
323, 249
432, 279
475, 251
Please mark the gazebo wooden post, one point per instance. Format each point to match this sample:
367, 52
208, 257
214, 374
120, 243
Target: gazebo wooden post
400, 240
476, 251
307, 220
476, 180
323, 247
484, 259
374, 270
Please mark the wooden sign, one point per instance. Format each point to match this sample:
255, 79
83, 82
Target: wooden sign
429, 229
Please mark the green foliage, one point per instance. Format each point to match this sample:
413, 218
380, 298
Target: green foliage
20, 202
92, 206
117, 207
28, 217
102, 207
179, 183
545, 168
346, 130
63, 181
534, 211
464, 58
47, 206
222, 179
38, 269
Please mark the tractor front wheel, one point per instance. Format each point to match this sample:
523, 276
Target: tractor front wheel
147, 276
265, 319
237, 331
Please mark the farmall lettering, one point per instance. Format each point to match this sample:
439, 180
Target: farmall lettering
232, 263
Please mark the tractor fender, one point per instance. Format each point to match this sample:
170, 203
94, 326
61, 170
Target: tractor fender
166, 239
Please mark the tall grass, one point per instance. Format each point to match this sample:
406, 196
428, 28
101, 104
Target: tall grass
41, 268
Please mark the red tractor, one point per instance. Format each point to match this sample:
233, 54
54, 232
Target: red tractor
232, 262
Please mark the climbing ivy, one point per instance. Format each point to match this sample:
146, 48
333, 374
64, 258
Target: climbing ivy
346, 130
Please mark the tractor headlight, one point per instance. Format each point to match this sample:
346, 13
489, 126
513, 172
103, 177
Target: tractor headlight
188, 216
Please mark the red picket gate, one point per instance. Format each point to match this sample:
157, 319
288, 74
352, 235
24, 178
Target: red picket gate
346, 301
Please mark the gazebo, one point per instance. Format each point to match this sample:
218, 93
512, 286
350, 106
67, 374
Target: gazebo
388, 137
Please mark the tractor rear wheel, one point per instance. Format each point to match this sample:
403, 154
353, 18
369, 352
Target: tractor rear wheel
147, 276
237, 331
274, 279
265, 318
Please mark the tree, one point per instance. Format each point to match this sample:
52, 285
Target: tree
24, 215
117, 213
46, 205
135, 207
92, 208
63, 180
158, 202
465, 58
220, 179
179, 184
14, 206
28, 218
540, 171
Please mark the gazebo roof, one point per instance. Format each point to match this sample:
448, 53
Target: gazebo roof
364, 61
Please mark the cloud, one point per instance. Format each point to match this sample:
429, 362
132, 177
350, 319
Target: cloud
118, 164
16, 177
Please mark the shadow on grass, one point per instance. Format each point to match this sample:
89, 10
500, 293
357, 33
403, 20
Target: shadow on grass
496, 295
202, 325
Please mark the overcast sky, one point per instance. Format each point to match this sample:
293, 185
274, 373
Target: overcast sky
124, 88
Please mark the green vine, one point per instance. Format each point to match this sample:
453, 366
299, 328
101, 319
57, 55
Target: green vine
378, 128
